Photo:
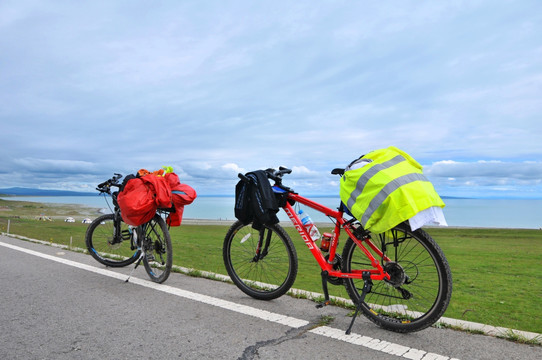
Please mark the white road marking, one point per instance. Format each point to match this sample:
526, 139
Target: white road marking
333, 333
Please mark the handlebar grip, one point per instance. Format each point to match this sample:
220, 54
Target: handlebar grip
283, 170
243, 178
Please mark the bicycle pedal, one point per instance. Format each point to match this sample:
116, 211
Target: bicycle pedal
322, 304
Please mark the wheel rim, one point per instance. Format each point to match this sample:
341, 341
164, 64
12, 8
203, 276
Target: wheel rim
108, 248
260, 268
415, 284
157, 260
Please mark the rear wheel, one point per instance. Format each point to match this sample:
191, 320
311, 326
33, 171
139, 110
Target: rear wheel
158, 250
262, 263
110, 241
420, 287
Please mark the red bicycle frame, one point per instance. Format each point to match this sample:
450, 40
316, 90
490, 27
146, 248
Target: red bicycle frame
377, 273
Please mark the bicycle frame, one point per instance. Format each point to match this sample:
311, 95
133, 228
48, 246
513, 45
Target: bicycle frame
377, 273
404, 264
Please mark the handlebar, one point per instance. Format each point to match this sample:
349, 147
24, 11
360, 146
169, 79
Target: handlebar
243, 177
277, 175
272, 174
106, 185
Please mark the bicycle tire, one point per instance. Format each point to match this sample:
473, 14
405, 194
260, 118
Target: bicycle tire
158, 258
106, 247
263, 277
403, 303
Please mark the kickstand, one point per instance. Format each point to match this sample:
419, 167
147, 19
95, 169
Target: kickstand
368, 284
326, 292
136, 265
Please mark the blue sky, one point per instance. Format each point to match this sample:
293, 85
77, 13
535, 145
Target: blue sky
214, 88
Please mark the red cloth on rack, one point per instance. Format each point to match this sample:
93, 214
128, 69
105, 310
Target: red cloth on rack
181, 195
142, 196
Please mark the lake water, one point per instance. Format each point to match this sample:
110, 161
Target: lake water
499, 213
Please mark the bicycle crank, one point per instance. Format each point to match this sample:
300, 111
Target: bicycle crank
337, 264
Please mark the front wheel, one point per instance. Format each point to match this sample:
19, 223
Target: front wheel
158, 251
262, 263
420, 287
111, 241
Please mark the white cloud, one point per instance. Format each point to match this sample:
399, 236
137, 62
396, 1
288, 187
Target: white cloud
53, 166
303, 171
493, 169
232, 88
486, 178
234, 168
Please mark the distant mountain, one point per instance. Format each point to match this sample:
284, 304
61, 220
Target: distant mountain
39, 192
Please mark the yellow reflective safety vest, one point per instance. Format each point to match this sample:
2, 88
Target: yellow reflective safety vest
386, 187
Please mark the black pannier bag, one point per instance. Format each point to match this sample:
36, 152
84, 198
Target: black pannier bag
255, 200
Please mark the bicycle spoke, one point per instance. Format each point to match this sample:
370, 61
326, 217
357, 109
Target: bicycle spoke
157, 244
260, 263
419, 287
108, 248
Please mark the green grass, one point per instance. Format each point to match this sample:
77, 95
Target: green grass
497, 273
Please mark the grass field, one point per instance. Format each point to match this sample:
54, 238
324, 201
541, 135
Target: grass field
497, 273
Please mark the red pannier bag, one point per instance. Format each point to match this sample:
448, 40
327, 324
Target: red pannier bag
181, 195
161, 190
136, 202
141, 197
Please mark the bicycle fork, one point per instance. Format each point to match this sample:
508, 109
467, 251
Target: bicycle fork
139, 236
262, 250
146, 246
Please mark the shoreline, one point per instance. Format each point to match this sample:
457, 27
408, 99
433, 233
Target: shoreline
191, 221
60, 211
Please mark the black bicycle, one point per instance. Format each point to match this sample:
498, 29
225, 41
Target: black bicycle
114, 243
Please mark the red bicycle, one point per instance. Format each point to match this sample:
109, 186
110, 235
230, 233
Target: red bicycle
400, 279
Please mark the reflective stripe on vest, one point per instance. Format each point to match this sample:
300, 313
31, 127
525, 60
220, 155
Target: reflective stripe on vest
364, 179
387, 190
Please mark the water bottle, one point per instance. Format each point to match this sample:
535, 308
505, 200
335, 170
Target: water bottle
309, 225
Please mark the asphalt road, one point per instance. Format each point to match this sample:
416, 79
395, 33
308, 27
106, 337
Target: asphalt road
57, 304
